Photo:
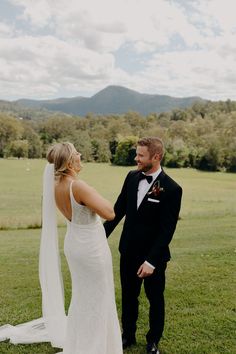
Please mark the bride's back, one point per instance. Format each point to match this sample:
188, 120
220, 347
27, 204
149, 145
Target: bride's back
67, 164
62, 198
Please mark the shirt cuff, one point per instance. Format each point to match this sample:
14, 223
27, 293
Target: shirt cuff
149, 264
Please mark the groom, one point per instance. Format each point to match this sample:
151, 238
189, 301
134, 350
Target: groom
150, 201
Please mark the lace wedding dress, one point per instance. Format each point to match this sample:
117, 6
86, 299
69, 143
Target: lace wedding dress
91, 326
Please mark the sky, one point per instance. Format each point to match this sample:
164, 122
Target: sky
68, 48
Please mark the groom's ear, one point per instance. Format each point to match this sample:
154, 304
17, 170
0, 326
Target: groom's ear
156, 157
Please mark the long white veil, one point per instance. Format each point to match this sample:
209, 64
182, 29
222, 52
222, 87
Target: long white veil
51, 327
49, 265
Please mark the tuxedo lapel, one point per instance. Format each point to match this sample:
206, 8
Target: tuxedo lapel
134, 191
160, 178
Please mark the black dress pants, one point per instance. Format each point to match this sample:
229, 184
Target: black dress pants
154, 286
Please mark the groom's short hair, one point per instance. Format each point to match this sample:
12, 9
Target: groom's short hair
155, 145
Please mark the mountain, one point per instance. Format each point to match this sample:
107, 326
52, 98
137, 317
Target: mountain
113, 100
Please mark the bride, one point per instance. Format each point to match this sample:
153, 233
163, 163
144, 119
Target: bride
91, 326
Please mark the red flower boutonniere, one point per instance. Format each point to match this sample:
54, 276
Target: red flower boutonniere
156, 189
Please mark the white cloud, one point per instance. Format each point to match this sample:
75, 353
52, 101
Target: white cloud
58, 46
37, 12
192, 73
218, 13
107, 24
5, 30
44, 64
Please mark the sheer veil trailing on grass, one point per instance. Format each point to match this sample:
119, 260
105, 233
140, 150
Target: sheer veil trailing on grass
51, 327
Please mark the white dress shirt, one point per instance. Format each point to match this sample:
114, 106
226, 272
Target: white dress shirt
143, 188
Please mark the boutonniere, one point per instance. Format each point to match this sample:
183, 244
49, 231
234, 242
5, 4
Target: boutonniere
156, 189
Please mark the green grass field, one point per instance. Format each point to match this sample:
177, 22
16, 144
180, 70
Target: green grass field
200, 290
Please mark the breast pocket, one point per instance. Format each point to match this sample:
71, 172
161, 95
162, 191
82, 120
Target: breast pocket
152, 207
153, 200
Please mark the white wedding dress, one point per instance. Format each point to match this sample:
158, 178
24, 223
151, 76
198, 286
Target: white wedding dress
92, 325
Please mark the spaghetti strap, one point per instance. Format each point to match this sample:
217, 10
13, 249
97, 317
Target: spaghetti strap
73, 201
71, 192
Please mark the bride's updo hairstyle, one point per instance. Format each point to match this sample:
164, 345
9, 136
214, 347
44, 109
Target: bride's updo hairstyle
62, 156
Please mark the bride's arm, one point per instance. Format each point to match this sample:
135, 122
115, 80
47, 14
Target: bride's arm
84, 194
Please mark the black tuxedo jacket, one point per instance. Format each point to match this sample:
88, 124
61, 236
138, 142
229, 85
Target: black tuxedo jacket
148, 230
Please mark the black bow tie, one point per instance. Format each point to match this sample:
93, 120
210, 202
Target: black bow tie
143, 176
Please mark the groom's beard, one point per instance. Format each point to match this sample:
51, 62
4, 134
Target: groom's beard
145, 167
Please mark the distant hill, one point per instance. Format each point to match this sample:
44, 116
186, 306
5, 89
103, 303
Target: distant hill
112, 99
16, 109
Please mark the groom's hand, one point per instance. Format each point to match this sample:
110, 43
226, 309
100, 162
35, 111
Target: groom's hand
145, 271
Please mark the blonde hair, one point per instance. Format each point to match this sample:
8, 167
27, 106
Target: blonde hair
155, 146
62, 156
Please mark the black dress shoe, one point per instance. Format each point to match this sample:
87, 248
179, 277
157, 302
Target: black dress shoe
152, 348
127, 342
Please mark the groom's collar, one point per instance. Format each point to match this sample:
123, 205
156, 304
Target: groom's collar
155, 174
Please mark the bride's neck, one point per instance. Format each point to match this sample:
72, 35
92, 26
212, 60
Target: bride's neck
72, 174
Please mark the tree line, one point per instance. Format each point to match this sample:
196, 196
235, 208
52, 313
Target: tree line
202, 136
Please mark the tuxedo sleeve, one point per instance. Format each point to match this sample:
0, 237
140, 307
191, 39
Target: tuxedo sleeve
119, 208
169, 218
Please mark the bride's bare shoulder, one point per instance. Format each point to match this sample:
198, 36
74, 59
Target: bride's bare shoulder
80, 187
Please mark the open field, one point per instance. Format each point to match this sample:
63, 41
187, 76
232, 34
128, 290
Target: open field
206, 195
200, 291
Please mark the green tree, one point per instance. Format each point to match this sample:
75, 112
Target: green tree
100, 151
178, 114
177, 154
17, 148
10, 130
113, 146
34, 142
56, 128
82, 143
211, 159
118, 126
230, 156
126, 151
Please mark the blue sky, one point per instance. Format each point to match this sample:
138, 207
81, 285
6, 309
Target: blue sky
66, 48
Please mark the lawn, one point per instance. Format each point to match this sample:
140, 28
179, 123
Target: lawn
200, 291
